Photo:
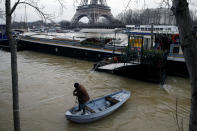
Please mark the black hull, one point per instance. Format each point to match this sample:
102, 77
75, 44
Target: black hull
72, 52
177, 68
139, 72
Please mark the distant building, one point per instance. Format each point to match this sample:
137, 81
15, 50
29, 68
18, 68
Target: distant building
156, 28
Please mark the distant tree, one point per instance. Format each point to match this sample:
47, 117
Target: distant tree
38, 23
18, 25
121, 17
23, 25
147, 16
193, 14
2, 14
65, 23
118, 22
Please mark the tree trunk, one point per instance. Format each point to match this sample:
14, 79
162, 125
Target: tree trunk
13, 50
189, 47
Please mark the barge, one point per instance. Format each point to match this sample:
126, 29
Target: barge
69, 47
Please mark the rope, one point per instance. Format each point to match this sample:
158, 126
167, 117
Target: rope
86, 78
92, 71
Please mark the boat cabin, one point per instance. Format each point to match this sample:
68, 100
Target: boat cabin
139, 39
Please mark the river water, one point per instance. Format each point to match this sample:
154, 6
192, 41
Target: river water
45, 90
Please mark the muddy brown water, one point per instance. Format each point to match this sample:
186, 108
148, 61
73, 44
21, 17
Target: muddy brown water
45, 90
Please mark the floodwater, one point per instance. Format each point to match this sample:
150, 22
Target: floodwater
45, 90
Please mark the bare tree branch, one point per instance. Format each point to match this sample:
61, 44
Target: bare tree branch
26, 3
61, 4
35, 7
14, 7
33, 4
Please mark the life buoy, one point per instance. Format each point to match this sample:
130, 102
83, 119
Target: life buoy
174, 37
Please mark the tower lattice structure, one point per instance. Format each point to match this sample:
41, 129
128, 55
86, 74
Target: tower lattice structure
92, 9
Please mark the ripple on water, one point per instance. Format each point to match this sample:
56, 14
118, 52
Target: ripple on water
46, 85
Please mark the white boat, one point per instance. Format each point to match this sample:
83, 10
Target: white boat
98, 108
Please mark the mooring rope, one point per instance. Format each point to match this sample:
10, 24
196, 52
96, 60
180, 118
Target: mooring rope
91, 72
86, 78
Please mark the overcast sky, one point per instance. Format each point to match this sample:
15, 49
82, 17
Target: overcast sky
52, 7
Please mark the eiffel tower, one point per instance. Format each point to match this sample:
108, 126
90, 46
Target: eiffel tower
92, 9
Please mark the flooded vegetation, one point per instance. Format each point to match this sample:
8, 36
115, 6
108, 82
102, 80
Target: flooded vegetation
45, 90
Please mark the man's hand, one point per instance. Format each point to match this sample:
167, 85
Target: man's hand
75, 92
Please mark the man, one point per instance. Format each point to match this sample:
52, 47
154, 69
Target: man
82, 96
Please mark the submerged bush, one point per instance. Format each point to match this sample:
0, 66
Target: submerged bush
94, 42
156, 58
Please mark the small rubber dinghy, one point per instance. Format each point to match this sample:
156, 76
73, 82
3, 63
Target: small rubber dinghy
98, 108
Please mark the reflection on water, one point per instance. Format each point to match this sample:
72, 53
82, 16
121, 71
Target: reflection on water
46, 85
